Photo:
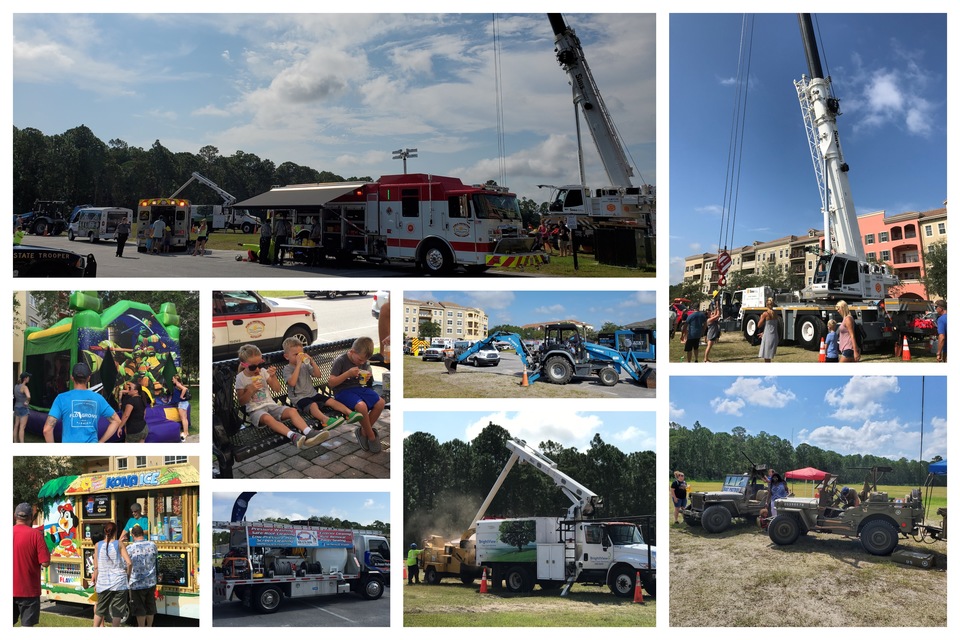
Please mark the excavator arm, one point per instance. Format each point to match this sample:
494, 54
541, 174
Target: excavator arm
515, 341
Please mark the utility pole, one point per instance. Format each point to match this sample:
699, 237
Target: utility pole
403, 154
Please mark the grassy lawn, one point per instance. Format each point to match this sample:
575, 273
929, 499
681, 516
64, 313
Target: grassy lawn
451, 604
54, 620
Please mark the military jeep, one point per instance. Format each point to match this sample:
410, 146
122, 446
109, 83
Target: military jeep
878, 521
742, 496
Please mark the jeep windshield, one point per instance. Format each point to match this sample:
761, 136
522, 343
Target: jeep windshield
735, 484
621, 534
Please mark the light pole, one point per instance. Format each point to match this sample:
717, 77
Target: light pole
403, 154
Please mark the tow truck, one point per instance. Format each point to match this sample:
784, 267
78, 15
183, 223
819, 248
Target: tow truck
843, 271
620, 205
554, 551
564, 354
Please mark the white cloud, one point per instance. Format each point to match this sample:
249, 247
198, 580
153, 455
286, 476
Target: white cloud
490, 300
676, 412
551, 309
733, 407
888, 438
861, 397
575, 429
760, 392
368, 503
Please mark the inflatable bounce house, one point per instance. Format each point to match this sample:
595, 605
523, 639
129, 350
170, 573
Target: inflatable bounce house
126, 342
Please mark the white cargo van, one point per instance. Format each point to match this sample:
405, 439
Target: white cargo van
98, 223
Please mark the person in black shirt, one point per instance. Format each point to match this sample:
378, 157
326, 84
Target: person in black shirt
132, 407
678, 492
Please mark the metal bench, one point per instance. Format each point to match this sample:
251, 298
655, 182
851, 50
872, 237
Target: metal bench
234, 438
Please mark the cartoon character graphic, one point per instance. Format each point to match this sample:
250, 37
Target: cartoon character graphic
62, 534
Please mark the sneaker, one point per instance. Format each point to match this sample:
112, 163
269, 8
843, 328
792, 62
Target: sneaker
361, 439
183, 438
374, 445
354, 417
298, 440
334, 422
315, 438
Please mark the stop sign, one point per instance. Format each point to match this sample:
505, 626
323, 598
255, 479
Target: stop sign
723, 262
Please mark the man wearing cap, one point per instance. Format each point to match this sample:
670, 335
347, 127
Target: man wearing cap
136, 519
80, 410
941, 306
29, 554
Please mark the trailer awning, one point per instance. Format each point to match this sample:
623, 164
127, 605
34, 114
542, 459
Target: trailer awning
299, 195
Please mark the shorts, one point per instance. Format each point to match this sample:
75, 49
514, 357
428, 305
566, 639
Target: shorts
354, 395
184, 404
112, 604
27, 610
21, 411
274, 410
140, 436
142, 602
320, 398
201, 238
691, 344
680, 503
847, 353
833, 359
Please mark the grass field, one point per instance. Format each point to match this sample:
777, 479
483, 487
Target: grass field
732, 578
558, 267
733, 348
452, 604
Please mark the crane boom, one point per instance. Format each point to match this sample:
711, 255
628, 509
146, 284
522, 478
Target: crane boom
228, 199
587, 96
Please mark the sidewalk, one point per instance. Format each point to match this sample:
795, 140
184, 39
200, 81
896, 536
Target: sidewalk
338, 457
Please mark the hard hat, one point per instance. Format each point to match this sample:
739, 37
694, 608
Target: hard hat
413, 545
845, 490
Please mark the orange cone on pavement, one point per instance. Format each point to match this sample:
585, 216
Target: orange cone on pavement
823, 350
524, 382
404, 572
637, 591
483, 581
906, 349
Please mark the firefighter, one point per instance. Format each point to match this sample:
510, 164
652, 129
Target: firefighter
413, 571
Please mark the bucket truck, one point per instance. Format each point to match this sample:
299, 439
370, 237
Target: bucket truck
221, 216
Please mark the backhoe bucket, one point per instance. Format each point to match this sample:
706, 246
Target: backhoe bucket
648, 378
450, 364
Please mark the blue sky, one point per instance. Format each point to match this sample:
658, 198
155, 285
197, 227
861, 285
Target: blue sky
878, 415
527, 307
362, 507
889, 72
627, 430
339, 92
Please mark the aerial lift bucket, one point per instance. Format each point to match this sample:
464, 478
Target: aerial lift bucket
450, 364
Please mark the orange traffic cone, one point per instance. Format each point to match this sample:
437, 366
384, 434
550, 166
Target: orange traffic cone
524, 382
483, 581
637, 591
906, 349
404, 572
823, 350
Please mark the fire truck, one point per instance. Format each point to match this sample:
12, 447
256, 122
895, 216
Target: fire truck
270, 561
437, 222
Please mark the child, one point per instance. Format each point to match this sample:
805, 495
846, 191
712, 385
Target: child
253, 385
832, 342
349, 376
300, 387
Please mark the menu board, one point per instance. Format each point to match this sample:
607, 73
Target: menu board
173, 568
97, 506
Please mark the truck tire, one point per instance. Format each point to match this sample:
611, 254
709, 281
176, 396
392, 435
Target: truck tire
300, 332
436, 258
519, 580
810, 329
246, 227
716, 519
93, 238
879, 537
621, 580
784, 529
267, 599
40, 227
558, 370
750, 326
609, 376
70, 236
371, 588
430, 576
331, 295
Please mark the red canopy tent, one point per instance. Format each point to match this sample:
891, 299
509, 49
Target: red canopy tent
807, 473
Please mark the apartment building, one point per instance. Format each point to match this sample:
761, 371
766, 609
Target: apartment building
456, 321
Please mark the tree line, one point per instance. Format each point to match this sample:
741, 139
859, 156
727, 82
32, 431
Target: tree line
709, 456
445, 483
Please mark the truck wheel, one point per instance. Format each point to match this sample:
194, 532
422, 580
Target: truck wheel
691, 521
93, 238
246, 227
331, 295
70, 235
267, 599
750, 326
430, 576
371, 588
436, 259
40, 228
879, 537
716, 519
609, 376
809, 331
519, 580
784, 530
621, 580
300, 332
558, 370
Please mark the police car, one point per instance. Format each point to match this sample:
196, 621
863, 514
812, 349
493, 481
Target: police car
246, 317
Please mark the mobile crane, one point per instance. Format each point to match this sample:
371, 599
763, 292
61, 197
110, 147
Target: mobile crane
222, 216
843, 272
565, 354
575, 548
619, 205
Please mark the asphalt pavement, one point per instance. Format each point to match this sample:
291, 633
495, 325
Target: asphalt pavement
344, 610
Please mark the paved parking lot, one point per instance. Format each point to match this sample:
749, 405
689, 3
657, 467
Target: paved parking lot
346, 610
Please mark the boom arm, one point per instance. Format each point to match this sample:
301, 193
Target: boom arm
587, 95
228, 199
